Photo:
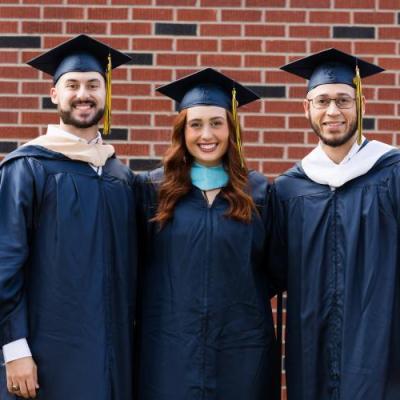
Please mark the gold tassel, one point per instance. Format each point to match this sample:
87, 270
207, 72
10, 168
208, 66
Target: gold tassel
107, 108
237, 127
357, 82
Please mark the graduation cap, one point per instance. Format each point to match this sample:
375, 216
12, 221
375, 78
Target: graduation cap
334, 66
82, 54
210, 87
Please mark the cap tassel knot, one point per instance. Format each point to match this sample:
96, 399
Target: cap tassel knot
107, 108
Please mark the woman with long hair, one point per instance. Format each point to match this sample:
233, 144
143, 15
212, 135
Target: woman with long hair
205, 322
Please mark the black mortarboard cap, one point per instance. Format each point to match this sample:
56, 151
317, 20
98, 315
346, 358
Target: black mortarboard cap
80, 54
331, 66
207, 87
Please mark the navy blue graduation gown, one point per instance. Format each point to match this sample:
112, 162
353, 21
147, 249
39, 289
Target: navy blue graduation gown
341, 253
68, 272
205, 323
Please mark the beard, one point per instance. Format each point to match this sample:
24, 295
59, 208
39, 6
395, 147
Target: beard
335, 142
68, 119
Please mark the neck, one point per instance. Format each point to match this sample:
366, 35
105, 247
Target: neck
84, 133
337, 154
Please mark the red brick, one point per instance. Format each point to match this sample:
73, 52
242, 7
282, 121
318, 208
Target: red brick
63, 13
389, 4
383, 137
220, 30
285, 16
152, 44
312, 138
165, 120
330, 17
19, 132
132, 2
241, 15
241, 45
263, 152
8, 87
8, 27
42, 2
282, 77
36, 88
132, 149
243, 76
264, 30
180, 3
177, 59
298, 123
19, 102
390, 124
389, 33
310, 3
262, 3
160, 149
389, 94
87, 2
349, 4
152, 135
18, 72
380, 108
298, 153
264, 61
40, 117
285, 46
19, 12
375, 47
309, 31
131, 119
283, 137
297, 92
386, 78
151, 105
108, 13
264, 121
374, 17
8, 57
220, 60
154, 14
184, 72
131, 28
220, 3
253, 107
41, 27
325, 44
276, 167
116, 42
250, 136
151, 74
282, 107
8, 118
389, 63
198, 14
86, 27
203, 45
131, 89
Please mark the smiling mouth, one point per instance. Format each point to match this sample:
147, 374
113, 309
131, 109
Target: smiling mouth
83, 106
207, 147
333, 124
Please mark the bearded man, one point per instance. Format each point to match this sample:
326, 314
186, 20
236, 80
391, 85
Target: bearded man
68, 243
337, 231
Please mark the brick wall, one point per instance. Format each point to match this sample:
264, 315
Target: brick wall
167, 39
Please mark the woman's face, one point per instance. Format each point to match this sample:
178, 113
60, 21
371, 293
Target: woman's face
207, 134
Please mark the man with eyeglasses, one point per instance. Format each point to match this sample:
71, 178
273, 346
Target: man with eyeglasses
335, 244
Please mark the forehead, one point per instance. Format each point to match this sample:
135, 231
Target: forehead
331, 89
205, 112
81, 76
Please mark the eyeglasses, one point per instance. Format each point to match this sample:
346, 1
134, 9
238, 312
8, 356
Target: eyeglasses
323, 102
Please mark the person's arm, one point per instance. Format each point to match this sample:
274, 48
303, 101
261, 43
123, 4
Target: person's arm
17, 196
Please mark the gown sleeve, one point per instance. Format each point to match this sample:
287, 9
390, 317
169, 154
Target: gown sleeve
17, 194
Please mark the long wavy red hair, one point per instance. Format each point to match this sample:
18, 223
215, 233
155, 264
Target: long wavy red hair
177, 163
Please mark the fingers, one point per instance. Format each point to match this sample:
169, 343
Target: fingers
22, 377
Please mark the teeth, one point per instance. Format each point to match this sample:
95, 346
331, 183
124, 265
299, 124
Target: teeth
210, 146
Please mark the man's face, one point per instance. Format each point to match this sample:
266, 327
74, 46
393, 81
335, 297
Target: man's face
80, 98
335, 126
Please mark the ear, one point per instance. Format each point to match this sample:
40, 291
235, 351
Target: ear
306, 106
363, 105
54, 95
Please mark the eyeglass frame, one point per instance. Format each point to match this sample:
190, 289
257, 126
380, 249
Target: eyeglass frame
332, 99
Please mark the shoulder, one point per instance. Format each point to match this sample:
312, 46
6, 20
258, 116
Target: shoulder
117, 169
258, 185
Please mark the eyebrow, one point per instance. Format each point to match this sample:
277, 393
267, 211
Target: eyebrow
212, 118
77, 80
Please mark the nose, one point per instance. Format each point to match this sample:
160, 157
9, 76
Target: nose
82, 92
332, 109
206, 132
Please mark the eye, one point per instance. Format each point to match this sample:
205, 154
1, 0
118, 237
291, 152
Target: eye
93, 86
217, 123
322, 101
344, 101
195, 125
73, 86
